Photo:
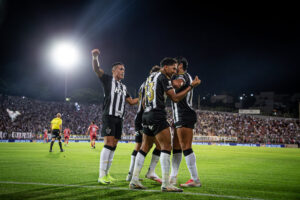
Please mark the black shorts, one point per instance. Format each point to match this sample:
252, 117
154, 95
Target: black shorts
55, 134
187, 120
139, 136
154, 122
112, 126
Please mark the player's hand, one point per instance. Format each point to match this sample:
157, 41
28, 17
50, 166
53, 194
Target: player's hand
95, 52
196, 82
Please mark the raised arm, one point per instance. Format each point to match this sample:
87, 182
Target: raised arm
95, 63
179, 96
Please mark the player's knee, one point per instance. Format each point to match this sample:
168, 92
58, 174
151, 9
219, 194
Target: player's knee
185, 146
167, 147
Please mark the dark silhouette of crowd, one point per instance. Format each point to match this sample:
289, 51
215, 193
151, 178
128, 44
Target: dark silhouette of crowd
36, 115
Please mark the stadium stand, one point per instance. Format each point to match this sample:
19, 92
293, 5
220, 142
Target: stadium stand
35, 116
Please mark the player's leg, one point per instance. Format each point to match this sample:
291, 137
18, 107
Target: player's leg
164, 139
52, 140
154, 160
139, 161
110, 159
138, 144
176, 158
185, 136
107, 131
91, 141
117, 132
60, 144
104, 158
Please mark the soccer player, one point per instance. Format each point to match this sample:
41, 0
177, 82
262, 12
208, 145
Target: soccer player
139, 137
116, 95
184, 120
45, 136
155, 123
56, 128
93, 128
67, 133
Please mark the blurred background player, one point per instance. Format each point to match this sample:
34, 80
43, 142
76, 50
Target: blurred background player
45, 135
115, 97
67, 133
184, 120
56, 129
139, 137
93, 128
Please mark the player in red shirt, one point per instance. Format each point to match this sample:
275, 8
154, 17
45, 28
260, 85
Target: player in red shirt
93, 128
67, 133
45, 136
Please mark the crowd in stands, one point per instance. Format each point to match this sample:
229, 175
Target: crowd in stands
36, 116
249, 128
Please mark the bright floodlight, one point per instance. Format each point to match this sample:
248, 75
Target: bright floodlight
65, 55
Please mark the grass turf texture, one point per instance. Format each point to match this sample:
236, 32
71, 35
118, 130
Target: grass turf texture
242, 172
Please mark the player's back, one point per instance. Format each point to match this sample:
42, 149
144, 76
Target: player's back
56, 122
156, 85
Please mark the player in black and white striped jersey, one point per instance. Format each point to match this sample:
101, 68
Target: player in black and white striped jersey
155, 125
184, 120
115, 96
139, 137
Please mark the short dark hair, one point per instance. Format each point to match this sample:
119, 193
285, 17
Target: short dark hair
116, 63
155, 68
93, 122
167, 61
182, 60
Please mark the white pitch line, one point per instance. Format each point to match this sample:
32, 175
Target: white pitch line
119, 188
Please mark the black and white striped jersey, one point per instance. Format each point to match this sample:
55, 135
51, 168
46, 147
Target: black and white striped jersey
155, 87
185, 105
139, 114
115, 94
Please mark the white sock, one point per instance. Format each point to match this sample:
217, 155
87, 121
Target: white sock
139, 162
191, 164
131, 167
154, 161
104, 157
165, 168
176, 160
110, 159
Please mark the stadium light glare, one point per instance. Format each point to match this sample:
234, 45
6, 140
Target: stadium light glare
65, 55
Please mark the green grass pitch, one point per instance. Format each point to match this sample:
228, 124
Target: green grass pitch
29, 171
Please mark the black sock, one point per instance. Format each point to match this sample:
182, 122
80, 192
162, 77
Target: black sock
51, 145
134, 153
60, 146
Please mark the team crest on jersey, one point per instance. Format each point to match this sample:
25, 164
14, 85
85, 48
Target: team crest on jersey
108, 131
137, 133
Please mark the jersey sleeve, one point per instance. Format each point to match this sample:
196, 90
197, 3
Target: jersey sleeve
105, 79
166, 83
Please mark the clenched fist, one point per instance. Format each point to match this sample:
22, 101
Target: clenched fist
196, 82
95, 52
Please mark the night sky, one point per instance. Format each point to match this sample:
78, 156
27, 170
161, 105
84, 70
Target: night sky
238, 48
